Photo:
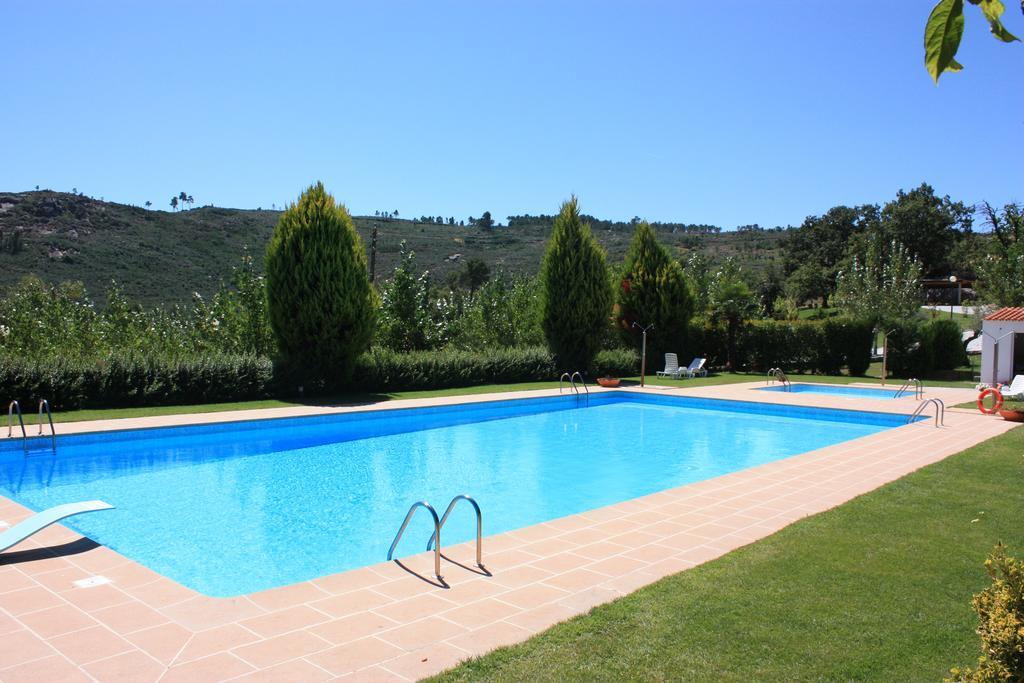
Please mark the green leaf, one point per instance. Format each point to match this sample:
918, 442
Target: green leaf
993, 11
942, 36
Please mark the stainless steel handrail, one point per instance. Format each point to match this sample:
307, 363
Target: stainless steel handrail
776, 374
45, 405
479, 526
566, 376
11, 407
940, 411
914, 382
437, 533
582, 381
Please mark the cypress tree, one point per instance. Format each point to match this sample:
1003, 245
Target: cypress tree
322, 307
654, 290
576, 293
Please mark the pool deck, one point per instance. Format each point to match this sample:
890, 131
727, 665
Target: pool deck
393, 621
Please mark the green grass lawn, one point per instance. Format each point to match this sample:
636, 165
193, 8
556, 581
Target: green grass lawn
873, 376
876, 589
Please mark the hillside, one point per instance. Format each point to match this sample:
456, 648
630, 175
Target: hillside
163, 257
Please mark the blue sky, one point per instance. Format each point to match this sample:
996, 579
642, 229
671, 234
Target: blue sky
721, 113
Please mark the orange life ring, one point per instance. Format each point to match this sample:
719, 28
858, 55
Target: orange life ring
996, 406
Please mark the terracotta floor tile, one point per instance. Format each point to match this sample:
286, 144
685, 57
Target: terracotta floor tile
161, 593
348, 581
212, 641
22, 646
42, 563
488, 638
8, 623
353, 627
55, 668
288, 596
532, 596
267, 653
351, 603
90, 644
129, 617
202, 612
285, 620
60, 579
584, 601
96, 597
541, 618
411, 609
58, 620
617, 566
162, 643
370, 674
14, 580
577, 579
131, 667
295, 671
218, 667
421, 633
28, 600
600, 550
520, 576
343, 659
426, 661
479, 614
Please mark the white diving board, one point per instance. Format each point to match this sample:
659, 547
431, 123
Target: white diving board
39, 521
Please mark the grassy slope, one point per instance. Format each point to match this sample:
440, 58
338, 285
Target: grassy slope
721, 378
877, 589
162, 257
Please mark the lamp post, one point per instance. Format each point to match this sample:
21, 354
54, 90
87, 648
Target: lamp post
954, 280
643, 350
885, 353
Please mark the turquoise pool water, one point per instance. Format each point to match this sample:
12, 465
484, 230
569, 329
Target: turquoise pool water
234, 508
851, 392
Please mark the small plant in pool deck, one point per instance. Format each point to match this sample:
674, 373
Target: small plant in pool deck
322, 307
1000, 609
577, 296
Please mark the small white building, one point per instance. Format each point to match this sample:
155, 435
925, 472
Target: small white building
1002, 347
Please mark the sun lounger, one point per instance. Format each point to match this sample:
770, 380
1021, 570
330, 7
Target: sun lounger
672, 368
37, 522
1015, 390
696, 367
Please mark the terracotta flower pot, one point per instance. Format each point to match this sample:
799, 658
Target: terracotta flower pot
609, 382
1012, 415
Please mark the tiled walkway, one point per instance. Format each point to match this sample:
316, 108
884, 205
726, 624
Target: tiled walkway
391, 621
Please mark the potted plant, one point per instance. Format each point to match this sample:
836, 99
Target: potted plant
608, 381
1012, 411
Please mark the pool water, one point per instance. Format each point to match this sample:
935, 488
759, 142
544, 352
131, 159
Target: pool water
830, 390
233, 508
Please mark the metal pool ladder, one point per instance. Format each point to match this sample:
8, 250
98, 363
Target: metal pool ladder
912, 383
11, 408
572, 383
479, 525
776, 374
437, 533
45, 405
940, 411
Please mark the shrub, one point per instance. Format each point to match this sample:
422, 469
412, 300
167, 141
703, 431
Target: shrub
384, 370
909, 354
1000, 609
322, 307
617, 363
859, 342
577, 296
947, 351
122, 380
654, 291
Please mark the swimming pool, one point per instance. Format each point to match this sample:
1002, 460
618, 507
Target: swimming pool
829, 390
233, 508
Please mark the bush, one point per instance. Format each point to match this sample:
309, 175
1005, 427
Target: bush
577, 296
618, 363
1000, 609
909, 353
654, 291
384, 370
322, 307
124, 380
947, 351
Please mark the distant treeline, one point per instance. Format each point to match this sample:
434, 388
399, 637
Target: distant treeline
598, 224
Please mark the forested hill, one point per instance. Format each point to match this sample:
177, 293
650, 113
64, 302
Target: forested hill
163, 257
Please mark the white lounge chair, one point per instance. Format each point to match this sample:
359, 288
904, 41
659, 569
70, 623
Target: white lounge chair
672, 368
1015, 390
695, 368
39, 521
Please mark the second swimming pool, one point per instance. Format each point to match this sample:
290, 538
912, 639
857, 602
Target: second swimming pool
233, 508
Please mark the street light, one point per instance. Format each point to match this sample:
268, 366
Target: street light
954, 280
643, 350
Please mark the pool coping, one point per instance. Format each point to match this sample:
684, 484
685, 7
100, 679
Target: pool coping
391, 621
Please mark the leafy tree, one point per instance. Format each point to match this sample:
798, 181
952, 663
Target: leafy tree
731, 302
322, 306
1001, 270
809, 281
654, 291
148, 203
190, 200
174, 203
577, 296
945, 28
927, 225
770, 287
485, 221
697, 268
405, 306
882, 282
824, 241
474, 274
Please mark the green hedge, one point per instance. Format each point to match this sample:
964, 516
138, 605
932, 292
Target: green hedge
131, 380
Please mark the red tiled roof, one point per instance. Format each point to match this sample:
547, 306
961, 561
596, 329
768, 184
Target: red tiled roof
1009, 313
